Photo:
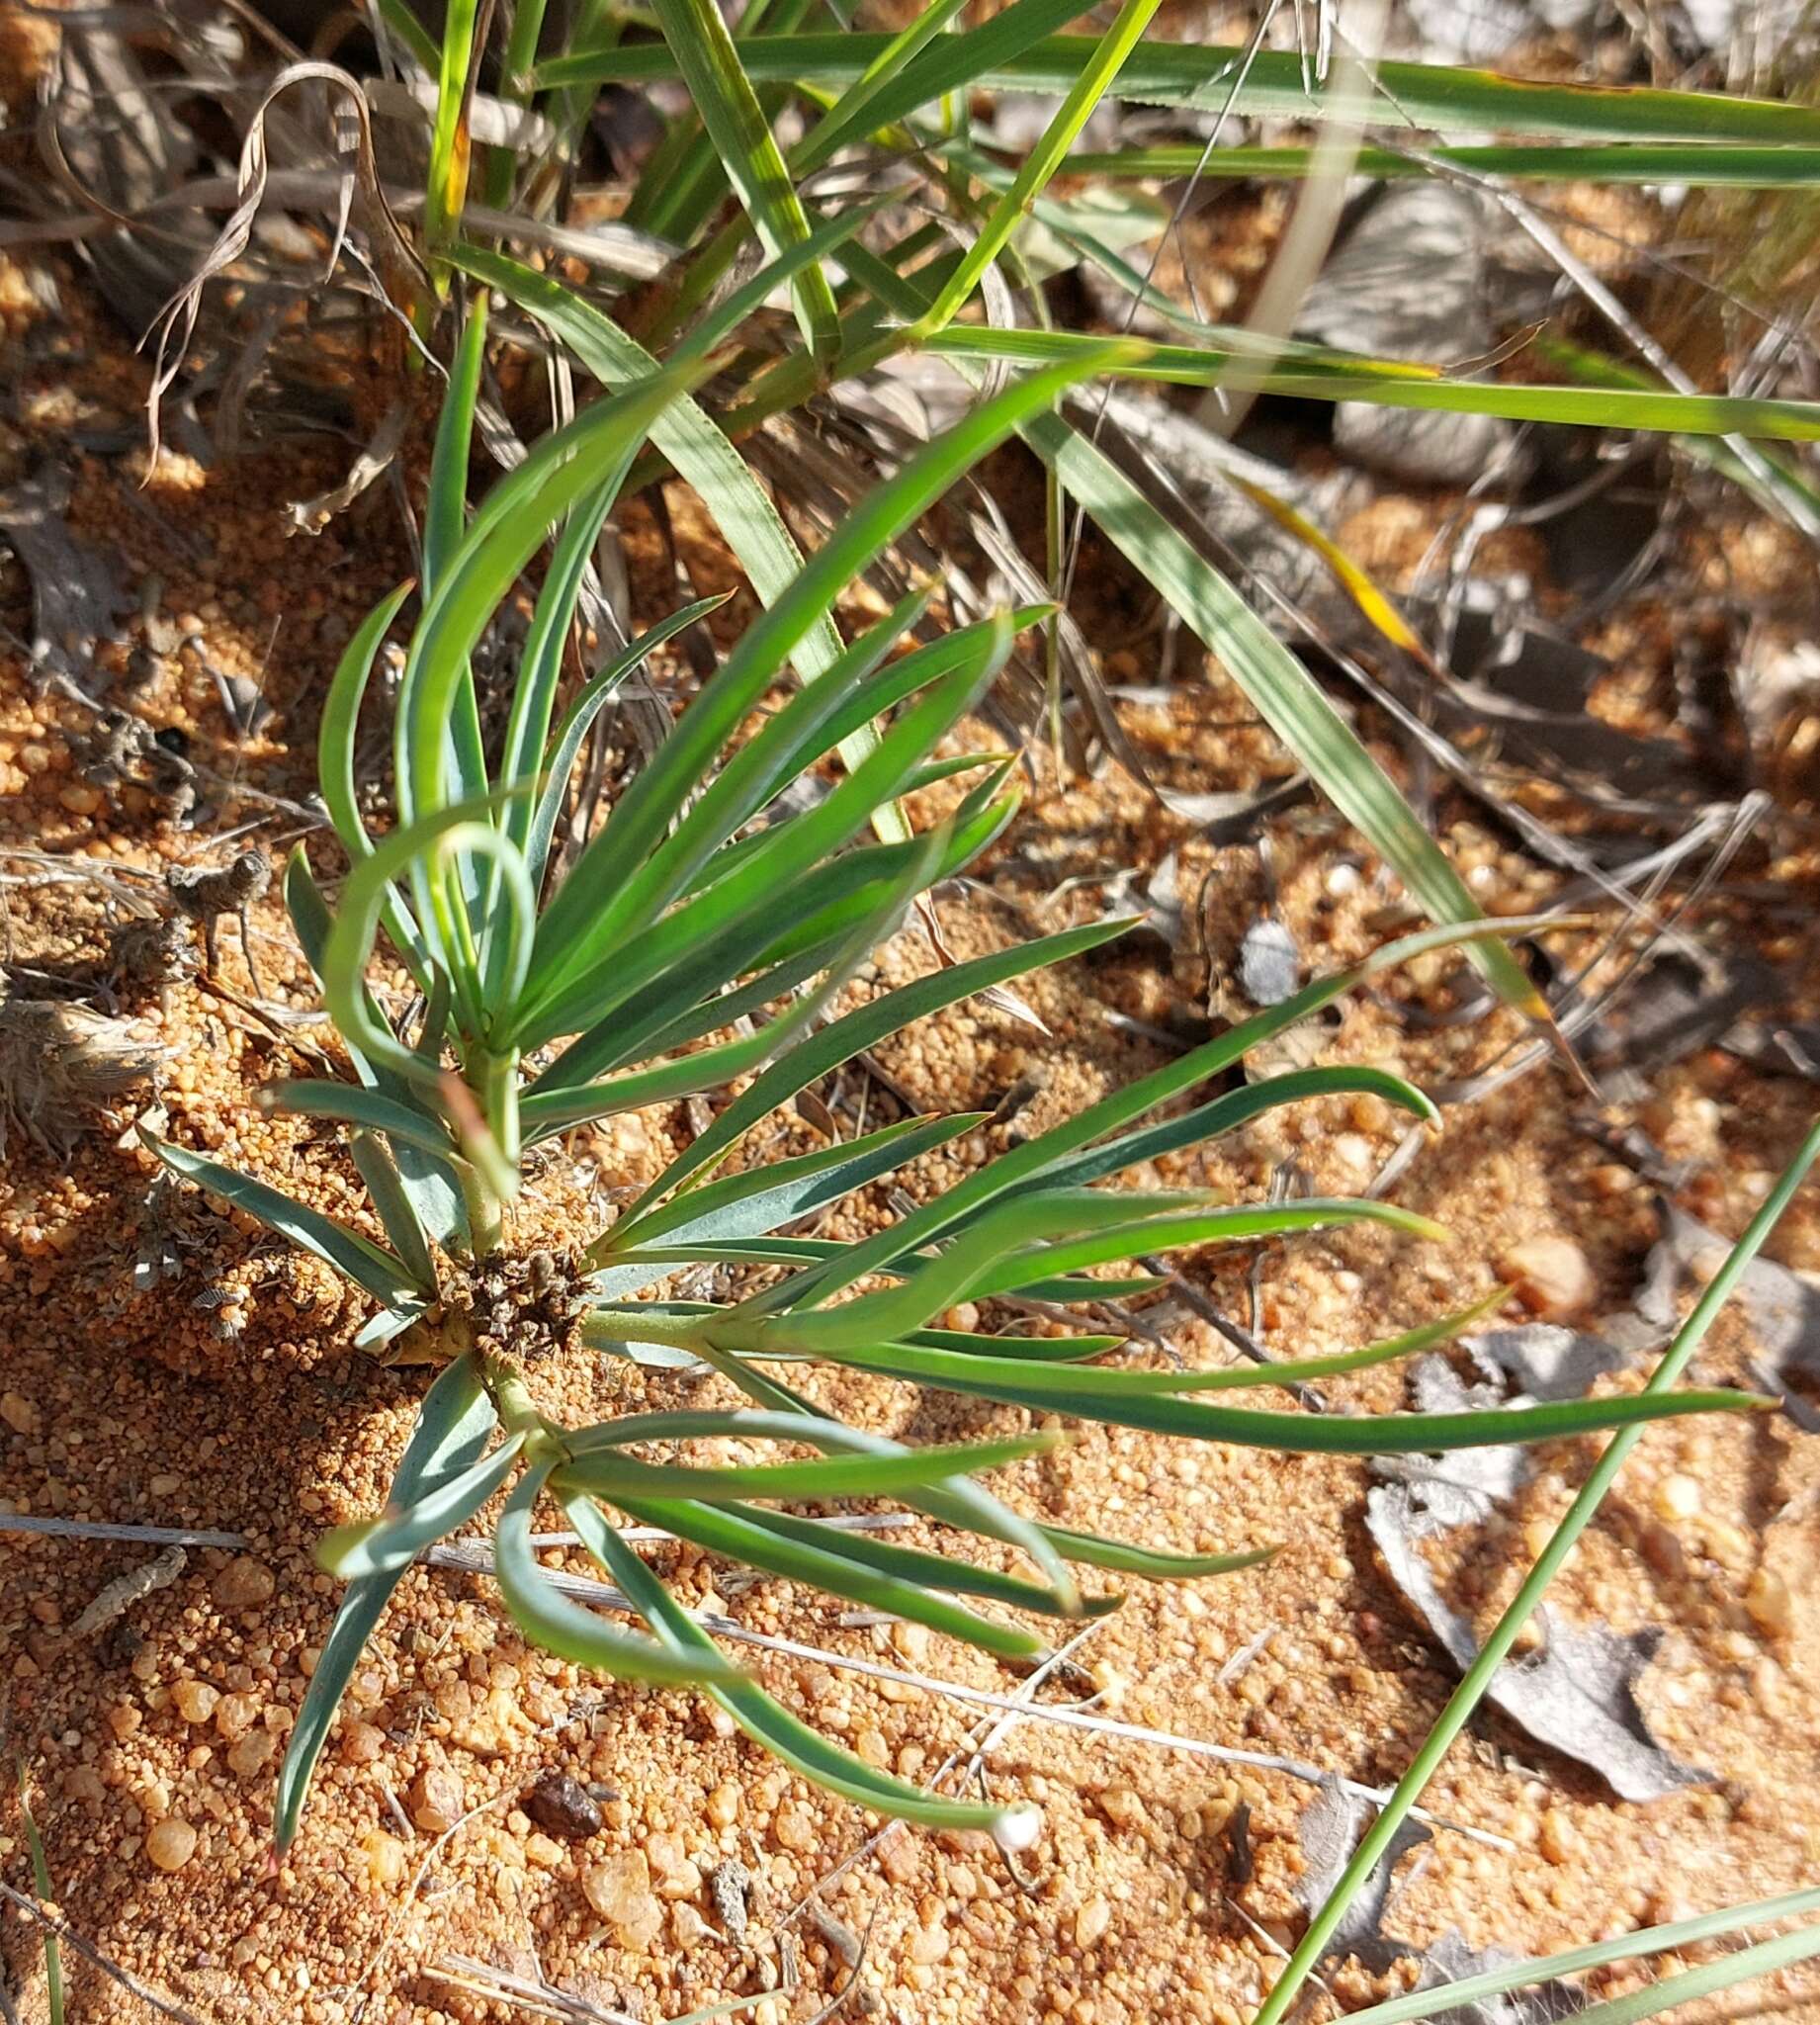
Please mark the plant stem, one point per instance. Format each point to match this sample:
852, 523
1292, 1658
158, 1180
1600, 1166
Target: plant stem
1471, 1690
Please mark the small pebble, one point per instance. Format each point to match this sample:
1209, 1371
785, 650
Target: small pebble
244, 1584
436, 1800
1770, 1604
563, 1805
618, 1889
195, 1699
1678, 1497
1093, 1920
170, 1844
1551, 1276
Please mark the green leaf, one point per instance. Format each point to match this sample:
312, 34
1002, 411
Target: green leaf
778, 1192
863, 1028
430, 1179
768, 1721
580, 716
448, 139
1694, 164
45, 1889
1265, 83
391, 1541
877, 520
625, 877
451, 1429
393, 1202
926, 1570
1383, 383
514, 519
357, 1105
1082, 1394
709, 64
605, 1473
1152, 1564
566, 1627
418, 846
824, 1563
694, 443
1089, 87
1012, 1241
1281, 689
381, 1273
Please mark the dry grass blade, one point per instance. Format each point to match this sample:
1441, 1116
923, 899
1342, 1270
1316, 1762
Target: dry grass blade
175, 326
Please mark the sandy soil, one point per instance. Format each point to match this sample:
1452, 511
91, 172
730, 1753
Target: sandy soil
227, 1397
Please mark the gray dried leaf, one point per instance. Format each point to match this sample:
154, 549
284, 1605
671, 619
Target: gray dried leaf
1784, 1308
77, 595
1269, 963
1463, 1487
1406, 282
1577, 1696
1450, 1959
1329, 1832
1548, 1362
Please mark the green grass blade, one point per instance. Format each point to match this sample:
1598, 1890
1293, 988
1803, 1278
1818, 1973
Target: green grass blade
626, 948
450, 147
835, 957
352, 1104
1294, 1434
1659, 1392
1030, 1233
708, 61
616, 1477
433, 1184
1277, 684
1693, 164
1229, 1112
693, 443
1649, 1940
822, 1562
961, 1503
337, 771
772, 1725
451, 1429
393, 1202
380, 1272
571, 1631
1266, 83
1117, 1557
849, 113
577, 718
350, 943
1095, 79
45, 1889
1386, 382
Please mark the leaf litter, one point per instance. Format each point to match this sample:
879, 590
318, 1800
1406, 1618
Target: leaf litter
1578, 1694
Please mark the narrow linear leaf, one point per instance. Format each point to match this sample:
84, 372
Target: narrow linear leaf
451, 1429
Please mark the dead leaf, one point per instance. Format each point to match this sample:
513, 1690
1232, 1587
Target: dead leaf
1549, 1361
77, 596
1784, 1308
1450, 1959
1406, 282
1578, 1696
1329, 1832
